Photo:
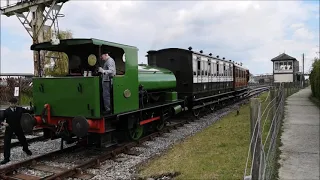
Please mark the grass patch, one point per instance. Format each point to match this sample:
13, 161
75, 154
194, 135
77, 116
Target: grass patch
275, 174
217, 152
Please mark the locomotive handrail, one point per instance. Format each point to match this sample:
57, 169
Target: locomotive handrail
46, 109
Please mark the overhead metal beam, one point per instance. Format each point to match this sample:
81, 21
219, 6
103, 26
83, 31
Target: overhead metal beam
25, 6
17, 74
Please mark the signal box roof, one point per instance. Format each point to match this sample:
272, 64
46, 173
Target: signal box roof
76, 42
282, 57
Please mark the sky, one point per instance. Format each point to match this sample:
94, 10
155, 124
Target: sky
251, 32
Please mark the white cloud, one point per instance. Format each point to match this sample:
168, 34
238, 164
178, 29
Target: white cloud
252, 32
16, 62
298, 25
303, 33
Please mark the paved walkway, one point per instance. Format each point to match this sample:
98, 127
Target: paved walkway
300, 150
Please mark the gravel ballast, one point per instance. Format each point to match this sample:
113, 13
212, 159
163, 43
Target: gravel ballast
124, 165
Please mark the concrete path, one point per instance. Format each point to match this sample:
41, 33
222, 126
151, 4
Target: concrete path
300, 150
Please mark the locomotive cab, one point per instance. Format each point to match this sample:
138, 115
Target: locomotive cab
80, 84
75, 94
70, 103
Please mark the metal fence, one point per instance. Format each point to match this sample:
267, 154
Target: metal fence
262, 155
15, 86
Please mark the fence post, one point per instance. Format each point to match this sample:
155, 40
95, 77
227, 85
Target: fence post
273, 104
282, 106
255, 133
273, 94
19, 90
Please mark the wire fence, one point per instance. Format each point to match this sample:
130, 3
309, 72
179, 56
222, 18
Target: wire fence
17, 86
262, 157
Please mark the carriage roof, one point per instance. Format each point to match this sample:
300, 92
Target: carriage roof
203, 55
76, 42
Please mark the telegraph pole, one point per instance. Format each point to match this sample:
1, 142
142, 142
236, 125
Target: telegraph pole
36, 26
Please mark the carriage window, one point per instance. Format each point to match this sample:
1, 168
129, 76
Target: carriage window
199, 67
205, 67
202, 68
194, 64
217, 68
212, 69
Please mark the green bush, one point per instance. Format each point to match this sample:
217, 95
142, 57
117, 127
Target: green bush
315, 78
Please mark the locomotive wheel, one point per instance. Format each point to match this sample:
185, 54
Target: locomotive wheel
159, 125
211, 107
136, 133
196, 112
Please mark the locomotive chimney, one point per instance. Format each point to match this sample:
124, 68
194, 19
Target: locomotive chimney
152, 61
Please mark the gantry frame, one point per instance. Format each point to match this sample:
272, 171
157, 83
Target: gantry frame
36, 28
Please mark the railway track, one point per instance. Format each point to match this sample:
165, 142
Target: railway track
29, 140
78, 171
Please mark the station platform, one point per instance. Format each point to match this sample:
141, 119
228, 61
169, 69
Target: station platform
299, 157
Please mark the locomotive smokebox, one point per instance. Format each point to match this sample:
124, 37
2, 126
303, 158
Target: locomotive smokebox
80, 126
152, 60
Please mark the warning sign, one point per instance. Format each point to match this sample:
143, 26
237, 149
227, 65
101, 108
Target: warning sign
16, 91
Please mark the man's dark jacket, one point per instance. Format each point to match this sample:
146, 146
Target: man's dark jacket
13, 118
